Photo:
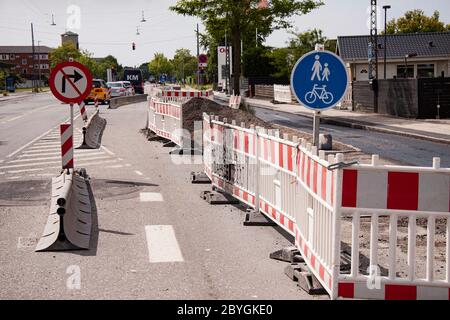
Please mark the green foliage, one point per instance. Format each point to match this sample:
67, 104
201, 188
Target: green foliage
258, 61
160, 65
96, 67
416, 21
184, 64
240, 18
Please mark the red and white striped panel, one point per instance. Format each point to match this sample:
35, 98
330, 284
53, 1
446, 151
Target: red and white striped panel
236, 191
383, 189
191, 94
322, 273
83, 111
278, 217
277, 153
392, 291
66, 146
316, 176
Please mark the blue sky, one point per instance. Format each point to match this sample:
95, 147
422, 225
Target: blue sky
109, 26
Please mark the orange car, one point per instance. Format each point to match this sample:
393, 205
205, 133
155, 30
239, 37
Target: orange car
101, 90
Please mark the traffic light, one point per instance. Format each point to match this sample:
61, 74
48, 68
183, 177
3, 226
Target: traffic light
134, 46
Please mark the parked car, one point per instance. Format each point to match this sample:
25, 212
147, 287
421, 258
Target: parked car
135, 77
100, 90
118, 89
129, 88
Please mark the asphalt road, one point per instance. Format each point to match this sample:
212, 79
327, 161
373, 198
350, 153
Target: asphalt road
24, 119
153, 237
404, 150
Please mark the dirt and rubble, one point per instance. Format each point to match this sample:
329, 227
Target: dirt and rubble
194, 109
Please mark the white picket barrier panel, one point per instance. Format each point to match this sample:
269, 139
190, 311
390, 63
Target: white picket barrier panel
166, 120
235, 102
282, 93
294, 185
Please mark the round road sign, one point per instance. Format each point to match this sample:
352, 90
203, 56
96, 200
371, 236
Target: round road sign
70, 82
319, 80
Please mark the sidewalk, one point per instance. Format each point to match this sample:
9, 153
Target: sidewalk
12, 96
430, 130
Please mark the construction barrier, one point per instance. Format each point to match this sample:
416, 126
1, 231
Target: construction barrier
282, 93
314, 197
69, 223
166, 120
122, 101
165, 114
235, 102
93, 132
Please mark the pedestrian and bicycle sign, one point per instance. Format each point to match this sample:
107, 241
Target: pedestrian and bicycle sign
70, 82
319, 80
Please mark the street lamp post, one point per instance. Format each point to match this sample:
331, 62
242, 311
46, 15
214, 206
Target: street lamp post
385, 39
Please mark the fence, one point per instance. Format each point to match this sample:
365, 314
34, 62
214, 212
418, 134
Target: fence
165, 112
264, 91
282, 93
315, 199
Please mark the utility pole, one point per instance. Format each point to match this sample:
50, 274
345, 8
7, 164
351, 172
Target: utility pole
385, 40
39, 63
227, 67
198, 56
34, 59
373, 52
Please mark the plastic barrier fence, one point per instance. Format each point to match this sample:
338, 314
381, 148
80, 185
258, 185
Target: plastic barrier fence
235, 102
282, 93
166, 120
316, 199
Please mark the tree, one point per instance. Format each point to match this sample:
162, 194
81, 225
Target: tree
63, 53
184, 64
240, 18
160, 65
416, 21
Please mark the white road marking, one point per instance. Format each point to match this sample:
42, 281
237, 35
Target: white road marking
115, 167
139, 173
151, 197
95, 163
27, 170
281, 117
108, 151
162, 244
58, 157
14, 178
29, 165
29, 143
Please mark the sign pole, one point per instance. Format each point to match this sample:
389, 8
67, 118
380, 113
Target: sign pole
316, 128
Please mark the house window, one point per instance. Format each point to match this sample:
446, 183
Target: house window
401, 71
11, 56
425, 70
44, 56
4, 57
24, 71
24, 62
44, 66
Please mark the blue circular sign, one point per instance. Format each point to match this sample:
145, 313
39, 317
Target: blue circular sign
319, 80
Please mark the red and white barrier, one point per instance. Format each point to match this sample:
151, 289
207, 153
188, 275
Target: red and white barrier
66, 146
166, 120
188, 94
83, 111
235, 102
294, 185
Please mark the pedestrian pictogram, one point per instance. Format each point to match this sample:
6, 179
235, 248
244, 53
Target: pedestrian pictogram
70, 82
319, 80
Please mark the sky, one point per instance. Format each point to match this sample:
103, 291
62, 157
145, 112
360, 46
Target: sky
110, 26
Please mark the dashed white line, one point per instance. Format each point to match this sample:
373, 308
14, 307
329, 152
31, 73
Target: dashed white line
138, 173
162, 244
27, 170
115, 167
151, 197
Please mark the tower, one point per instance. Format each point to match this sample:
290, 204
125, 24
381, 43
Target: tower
70, 37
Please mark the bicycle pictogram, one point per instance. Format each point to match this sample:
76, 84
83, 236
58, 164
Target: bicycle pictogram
320, 93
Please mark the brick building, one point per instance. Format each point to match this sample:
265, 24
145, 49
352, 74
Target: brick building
21, 62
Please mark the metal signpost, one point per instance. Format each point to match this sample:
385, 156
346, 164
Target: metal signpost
319, 81
70, 82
